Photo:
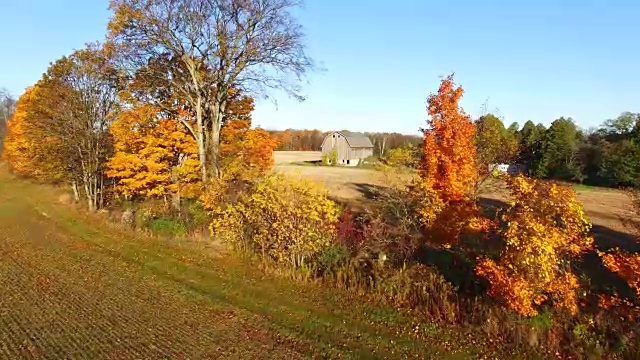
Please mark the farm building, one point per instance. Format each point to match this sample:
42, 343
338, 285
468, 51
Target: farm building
351, 148
511, 169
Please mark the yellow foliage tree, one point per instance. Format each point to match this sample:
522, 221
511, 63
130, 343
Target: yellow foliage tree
286, 220
245, 153
544, 231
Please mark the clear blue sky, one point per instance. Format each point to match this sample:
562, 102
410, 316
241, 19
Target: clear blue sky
535, 60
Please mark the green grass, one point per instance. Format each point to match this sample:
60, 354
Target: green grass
582, 187
75, 287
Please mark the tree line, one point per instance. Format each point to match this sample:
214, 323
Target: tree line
311, 140
161, 107
604, 156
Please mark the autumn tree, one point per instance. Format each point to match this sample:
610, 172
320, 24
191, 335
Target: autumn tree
28, 149
78, 104
544, 234
448, 168
449, 162
197, 50
60, 128
495, 144
153, 156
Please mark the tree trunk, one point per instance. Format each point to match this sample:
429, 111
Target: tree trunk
216, 116
87, 191
215, 151
200, 140
76, 194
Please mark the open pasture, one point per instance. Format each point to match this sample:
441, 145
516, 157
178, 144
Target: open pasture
607, 209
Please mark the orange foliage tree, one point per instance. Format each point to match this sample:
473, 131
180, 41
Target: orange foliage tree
449, 162
448, 170
156, 156
29, 149
153, 156
544, 232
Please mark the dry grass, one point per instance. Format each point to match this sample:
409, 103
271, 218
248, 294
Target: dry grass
606, 208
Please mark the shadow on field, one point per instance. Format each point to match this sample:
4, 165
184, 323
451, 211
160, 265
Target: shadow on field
490, 207
591, 266
369, 191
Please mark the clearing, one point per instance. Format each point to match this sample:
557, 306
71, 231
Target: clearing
607, 209
76, 287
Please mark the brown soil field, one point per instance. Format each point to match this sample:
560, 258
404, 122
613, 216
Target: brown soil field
73, 286
608, 209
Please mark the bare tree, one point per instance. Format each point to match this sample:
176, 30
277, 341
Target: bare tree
7, 107
189, 53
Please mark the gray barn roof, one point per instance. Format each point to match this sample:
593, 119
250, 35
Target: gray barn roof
356, 140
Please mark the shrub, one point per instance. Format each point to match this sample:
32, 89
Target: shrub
405, 156
197, 214
167, 226
148, 211
545, 230
421, 287
331, 259
289, 221
331, 158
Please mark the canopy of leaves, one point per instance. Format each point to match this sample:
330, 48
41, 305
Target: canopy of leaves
153, 157
28, 150
196, 51
449, 161
285, 220
558, 151
544, 232
495, 143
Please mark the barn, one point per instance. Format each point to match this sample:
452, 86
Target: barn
351, 148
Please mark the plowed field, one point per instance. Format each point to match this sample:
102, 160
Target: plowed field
73, 287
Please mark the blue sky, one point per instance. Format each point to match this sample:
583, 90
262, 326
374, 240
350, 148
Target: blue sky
535, 60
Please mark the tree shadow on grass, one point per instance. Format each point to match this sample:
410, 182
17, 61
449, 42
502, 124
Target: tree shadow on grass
369, 191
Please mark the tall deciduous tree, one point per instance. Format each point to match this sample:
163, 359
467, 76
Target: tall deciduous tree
449, 162
530, 144
197, 50
495, 143
75, 104
28, 149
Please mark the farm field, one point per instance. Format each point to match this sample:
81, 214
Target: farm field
607, 209
74, 287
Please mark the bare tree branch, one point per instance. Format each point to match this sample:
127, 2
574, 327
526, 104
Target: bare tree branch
193, 52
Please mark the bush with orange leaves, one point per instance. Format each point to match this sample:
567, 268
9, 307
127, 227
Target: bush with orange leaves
544, 231
627, 267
